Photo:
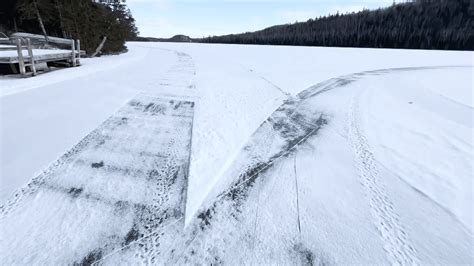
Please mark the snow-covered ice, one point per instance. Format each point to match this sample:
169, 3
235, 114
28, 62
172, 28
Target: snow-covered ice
299, 155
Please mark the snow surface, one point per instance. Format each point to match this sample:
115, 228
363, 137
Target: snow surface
382, 172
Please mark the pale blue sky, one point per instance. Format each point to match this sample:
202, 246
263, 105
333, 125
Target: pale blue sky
201, 18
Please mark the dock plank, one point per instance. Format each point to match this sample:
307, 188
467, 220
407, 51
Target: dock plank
41, 55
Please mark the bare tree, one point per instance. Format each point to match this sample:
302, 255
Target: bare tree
40, 20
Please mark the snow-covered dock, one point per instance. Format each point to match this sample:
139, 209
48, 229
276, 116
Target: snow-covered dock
23, 57
40, 55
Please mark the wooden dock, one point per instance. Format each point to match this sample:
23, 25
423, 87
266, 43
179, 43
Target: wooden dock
21, 54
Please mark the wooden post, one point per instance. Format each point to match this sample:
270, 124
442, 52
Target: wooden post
73, 53
21, 61
13, 68
78, 52
32, 59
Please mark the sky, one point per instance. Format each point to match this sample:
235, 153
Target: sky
202, 18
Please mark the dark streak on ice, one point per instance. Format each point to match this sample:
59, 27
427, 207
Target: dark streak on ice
91, 258
75, 192
205, 218
306, 256
290, 126
295, 129
98, 165
131, 236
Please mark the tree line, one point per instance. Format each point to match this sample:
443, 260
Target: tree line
99, 26
419, 24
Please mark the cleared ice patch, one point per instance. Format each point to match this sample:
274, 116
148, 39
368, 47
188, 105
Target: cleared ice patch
122, 181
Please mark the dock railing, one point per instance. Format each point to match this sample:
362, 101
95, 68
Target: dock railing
23, 41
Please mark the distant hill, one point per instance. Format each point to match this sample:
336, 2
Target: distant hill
176, 38
180, 38
420, 24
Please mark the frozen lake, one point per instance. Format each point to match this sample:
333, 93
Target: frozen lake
298, 155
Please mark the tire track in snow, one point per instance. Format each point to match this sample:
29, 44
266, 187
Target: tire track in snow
396, 242
150, 248
179, 80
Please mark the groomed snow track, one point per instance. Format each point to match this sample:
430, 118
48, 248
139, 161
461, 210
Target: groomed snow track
121, 182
